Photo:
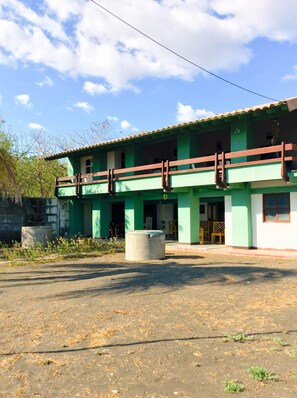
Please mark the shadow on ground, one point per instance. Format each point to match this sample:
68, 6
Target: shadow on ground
125, 277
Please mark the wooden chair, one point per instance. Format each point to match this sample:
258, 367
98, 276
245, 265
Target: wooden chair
205, 226
172, 229
148, 223
201, 236
218, 230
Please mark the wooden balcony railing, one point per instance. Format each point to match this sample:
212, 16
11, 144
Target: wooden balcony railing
218, 162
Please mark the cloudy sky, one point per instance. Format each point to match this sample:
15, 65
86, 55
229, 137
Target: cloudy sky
67, 64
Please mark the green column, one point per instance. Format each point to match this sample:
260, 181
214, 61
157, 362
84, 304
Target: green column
75, 218
241, 217
133, 213
99, 161
73, 166
186, 147
132, 156
188, 218
242, 138
100, 218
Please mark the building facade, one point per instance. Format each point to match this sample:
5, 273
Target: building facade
238, 169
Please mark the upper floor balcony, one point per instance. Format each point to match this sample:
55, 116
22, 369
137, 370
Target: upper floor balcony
220, 170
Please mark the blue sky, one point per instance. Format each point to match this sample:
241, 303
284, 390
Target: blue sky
67, 64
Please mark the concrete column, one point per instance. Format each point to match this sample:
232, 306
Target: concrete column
188, 218
186, 147
242, 234
132, 156
75, 218
100, 161
100, 218
73, 166
133, 213
242, 137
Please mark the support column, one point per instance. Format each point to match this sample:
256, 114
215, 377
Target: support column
99, 161
242, 234
242, 138
73, 166
133, 213
188, 218
100, 218
186, 147
75, 218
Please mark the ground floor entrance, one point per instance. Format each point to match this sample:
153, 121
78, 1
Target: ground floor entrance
212, 220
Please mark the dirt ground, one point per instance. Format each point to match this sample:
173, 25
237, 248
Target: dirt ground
105, 328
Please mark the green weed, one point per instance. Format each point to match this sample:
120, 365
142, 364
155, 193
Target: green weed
240, 337
292, 353
259, 373
234, 386
280, 341
47, 362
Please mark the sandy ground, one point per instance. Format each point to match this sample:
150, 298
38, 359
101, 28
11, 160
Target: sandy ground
105, 327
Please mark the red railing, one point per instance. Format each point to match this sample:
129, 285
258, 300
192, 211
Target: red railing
218, 162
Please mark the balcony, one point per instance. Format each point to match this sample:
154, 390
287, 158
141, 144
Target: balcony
220, 170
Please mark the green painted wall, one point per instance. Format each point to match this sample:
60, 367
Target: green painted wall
242, 137
241, 217
188, 217
75, 217
73, 166
133, 213
100, 218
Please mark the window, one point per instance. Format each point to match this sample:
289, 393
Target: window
89, 165
276, 207
123, 160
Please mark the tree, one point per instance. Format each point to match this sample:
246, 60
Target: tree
94, 134
24, 171
8, 177
35, 175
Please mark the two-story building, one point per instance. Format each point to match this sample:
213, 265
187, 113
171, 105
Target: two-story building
238, 169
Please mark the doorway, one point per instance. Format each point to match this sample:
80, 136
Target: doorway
87, 220
117, 220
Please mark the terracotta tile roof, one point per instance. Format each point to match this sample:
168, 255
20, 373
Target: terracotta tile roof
290, 103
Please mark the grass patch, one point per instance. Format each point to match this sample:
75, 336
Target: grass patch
261, 374
233, 386
280, 341
47, 362
61, 248
292, 353
239, 337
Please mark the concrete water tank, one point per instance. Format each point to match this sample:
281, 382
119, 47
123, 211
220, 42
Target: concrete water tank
142, 245
33, 235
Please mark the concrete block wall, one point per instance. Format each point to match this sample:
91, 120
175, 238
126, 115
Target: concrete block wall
32, 212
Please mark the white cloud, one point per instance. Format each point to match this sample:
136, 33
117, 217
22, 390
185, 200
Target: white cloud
36, 126
112, 118
125, 125
291, 76
23, 99
47, 81
85, 106
186, 113
78, 38
94, 88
